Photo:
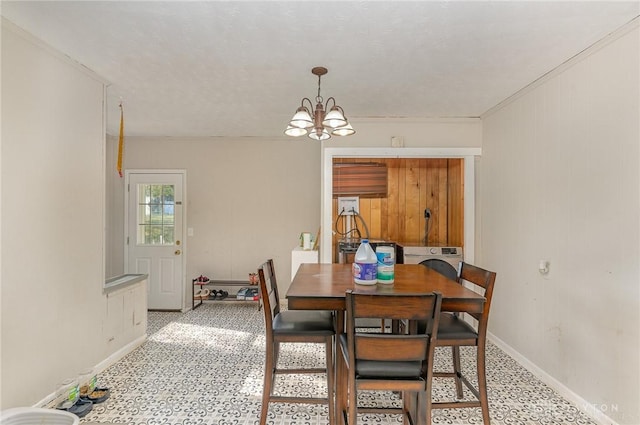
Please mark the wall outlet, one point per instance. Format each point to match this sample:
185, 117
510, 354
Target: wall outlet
348, 204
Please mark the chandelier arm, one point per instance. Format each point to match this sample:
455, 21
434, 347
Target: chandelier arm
326, 105
335, 105
310, 104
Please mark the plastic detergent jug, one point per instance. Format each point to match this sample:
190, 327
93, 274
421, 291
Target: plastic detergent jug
365, 265
386, 262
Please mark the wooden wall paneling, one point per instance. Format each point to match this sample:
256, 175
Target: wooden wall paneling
402, 196
456, 201
424, 199
431, 202
412, 201
437, 184
443, 194
384, 218
365, 214
375, 225
392, 215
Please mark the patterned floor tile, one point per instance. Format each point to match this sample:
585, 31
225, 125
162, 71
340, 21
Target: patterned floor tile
205, 367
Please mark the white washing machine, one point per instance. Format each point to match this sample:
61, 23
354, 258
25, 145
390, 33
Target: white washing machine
444, 259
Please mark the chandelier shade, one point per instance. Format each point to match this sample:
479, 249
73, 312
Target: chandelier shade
346, 130
316, 122
302, 118
334, 119
295, 131
317, 134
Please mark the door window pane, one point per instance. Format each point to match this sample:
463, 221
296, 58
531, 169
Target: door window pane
168, 214
156, 214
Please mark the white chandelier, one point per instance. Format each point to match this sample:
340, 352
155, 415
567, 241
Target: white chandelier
318, 123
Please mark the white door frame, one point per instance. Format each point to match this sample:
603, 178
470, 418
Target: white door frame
183, 257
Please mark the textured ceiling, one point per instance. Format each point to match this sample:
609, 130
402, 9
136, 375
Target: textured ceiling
239, 68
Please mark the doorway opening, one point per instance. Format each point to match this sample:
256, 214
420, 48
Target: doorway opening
468, 156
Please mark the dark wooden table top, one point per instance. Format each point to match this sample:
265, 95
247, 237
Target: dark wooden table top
323, 287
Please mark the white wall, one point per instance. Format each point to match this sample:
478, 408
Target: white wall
114, 212
247, 200
53, 306
415, 133
559, 180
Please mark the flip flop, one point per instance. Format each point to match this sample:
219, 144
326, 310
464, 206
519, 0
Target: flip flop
204, 294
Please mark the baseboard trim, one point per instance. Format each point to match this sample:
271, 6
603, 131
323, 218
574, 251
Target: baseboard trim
583, 405
113, 358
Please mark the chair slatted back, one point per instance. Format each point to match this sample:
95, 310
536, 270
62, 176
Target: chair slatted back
483, 280
388, 346
269, 292
394, 307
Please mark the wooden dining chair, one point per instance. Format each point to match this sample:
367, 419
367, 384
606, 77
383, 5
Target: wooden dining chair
387, 361
441, 267
293, 326
454, 331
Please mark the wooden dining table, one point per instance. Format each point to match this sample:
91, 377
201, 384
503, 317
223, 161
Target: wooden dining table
323, 287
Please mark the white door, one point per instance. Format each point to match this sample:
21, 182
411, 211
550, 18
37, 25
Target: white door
153, 240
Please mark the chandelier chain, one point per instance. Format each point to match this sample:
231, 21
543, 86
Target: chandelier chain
319, 98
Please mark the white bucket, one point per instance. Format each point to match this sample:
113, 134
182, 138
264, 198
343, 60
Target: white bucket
37, 415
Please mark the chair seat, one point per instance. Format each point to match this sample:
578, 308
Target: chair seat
382, 369
452, 327
292, 322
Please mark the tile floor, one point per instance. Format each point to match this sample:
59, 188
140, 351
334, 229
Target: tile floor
206, 366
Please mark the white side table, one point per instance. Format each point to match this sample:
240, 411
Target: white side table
300, 256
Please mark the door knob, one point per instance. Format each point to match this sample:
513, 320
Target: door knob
178, 252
